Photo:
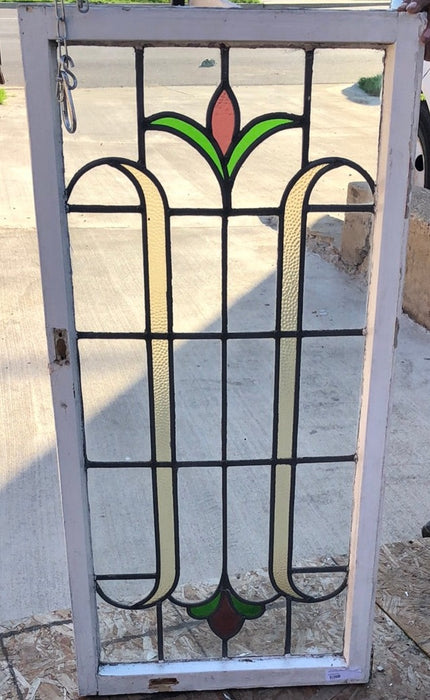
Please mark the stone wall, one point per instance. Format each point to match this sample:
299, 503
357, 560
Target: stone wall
354, 247
416, 293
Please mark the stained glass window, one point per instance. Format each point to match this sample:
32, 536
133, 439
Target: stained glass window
206, 365
235, 376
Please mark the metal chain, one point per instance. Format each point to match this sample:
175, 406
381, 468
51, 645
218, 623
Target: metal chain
66, 79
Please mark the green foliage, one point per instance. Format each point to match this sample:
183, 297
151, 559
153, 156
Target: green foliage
3, 95
372, 86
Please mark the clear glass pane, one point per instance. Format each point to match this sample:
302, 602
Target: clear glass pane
322, 511
252, 259
197, 399
193, 67
332, 299
196, 271
188, 180
127, 636
97, 134
318, 628
250, 398
115, 399
200, 502
267, 81
266, 68
329, 395
342, 128
185, 638
107, 266
248, 491
264, 636
122, 521
274, 172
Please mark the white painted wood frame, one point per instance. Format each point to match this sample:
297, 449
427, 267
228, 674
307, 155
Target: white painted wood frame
153, 25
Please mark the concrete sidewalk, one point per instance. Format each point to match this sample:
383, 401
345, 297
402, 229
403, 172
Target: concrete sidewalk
33, 574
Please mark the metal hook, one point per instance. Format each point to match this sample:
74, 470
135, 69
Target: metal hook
67, 61
64, 96
66, 74
66, 79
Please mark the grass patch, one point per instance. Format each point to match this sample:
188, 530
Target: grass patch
372, 86
2, 95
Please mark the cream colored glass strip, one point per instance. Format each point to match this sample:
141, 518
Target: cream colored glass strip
287, 381
160, 369
291, 253
281, 529
287, 378
156, 235
167, 566
156, 232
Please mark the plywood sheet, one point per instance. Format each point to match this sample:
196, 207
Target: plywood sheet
37, 655
404, 588
129, 636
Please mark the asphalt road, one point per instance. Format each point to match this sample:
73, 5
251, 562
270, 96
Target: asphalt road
114, 66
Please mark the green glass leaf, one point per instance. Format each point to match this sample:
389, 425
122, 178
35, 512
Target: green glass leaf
191, 133
250, 136
201, 612
248, 610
